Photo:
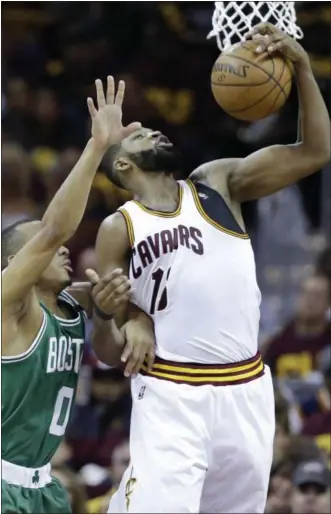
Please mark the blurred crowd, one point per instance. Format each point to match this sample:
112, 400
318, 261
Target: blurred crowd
52, 52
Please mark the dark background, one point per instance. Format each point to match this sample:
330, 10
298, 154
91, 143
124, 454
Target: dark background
51, 54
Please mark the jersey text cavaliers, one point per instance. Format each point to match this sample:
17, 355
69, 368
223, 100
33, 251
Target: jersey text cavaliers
167, 241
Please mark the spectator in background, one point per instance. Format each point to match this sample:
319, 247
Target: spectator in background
280, 489
17, 116
296, 450
294, 352
318, 426
16, 181
311, 489
48, 127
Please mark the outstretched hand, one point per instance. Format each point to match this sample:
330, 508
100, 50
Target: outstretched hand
271, 40
111, 292
107, 128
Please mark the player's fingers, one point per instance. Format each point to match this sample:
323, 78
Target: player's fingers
127, 351
110, 90
100, 94
112, 297
123, 289
138, 364
261, 28
150, 358
136, 125
92, 276
120, 93
91, 107
267, 43
265, 28
106, 285
115, 273
115, 278
131, 363
110, 284
118, 301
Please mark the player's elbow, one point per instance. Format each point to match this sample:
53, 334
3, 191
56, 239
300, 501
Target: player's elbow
309, 159
319, 154
326, 154
320, 158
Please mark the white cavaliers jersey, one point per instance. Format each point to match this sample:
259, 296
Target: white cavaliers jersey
195, 278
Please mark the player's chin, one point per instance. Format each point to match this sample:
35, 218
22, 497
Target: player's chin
65, 277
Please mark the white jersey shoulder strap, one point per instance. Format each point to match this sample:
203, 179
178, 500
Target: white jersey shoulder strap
139, 218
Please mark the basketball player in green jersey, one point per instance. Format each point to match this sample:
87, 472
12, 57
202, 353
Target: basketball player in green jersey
43, 325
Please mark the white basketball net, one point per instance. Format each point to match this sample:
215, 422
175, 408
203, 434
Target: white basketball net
231, 20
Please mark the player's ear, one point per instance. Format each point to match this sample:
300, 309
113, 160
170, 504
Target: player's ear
10, 258
122, 164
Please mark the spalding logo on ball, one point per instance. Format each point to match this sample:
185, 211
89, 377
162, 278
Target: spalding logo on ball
249, 86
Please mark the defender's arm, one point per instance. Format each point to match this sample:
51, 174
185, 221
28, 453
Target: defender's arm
59, 223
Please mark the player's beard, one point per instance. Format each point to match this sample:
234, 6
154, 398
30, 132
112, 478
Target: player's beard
158, 160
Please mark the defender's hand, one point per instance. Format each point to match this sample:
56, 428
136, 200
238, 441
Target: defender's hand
139, 344
110, 292
107, 128
271, 39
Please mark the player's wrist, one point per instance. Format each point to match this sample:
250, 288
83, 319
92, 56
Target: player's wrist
104, 316
97, 149
303, 64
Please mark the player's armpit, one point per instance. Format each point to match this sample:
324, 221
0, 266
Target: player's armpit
271, 169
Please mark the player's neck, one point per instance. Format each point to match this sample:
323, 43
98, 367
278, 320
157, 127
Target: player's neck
160, 192
48, 298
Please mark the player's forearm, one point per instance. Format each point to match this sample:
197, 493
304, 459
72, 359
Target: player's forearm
68, 205
313, 116
107, 341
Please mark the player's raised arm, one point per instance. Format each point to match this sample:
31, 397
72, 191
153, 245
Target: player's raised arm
66, 210
271, 169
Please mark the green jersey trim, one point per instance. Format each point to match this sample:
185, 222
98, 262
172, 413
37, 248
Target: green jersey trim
73, 301
66, 297
23, 356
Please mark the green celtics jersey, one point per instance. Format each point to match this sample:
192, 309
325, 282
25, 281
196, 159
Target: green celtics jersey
38, 389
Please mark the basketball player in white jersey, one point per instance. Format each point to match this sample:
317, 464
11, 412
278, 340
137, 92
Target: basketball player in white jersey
202, 423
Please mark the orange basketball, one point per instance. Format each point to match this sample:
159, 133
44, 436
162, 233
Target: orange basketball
249, 86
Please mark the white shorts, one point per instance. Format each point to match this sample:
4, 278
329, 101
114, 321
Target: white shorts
198, 448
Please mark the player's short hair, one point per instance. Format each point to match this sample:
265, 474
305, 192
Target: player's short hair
111, 156
12, 241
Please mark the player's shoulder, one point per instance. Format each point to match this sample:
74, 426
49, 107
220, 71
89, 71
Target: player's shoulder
114, 234
209, 171
113, 224
215, 174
